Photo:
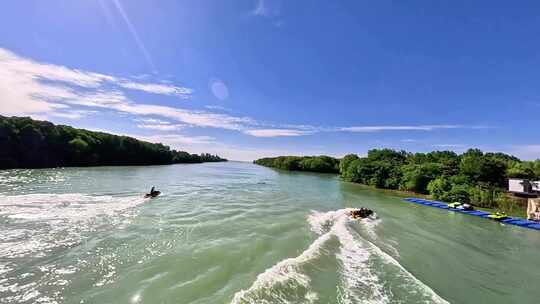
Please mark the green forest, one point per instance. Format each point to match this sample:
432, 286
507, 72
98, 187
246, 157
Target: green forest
28, 143
473, 177
322, 164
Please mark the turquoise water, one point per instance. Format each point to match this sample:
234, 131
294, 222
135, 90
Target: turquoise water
239, 233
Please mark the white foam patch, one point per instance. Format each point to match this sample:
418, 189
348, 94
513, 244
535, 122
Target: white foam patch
287, 274
42, 223
360, 282
428, 293
71, 207
56, 220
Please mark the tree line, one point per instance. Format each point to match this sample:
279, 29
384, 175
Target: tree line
28, 143
323, 164
473, 177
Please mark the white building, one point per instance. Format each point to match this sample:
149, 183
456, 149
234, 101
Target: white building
523, 186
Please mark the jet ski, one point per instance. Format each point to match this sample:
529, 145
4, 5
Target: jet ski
454, 205
361, 213
498, 216
153, 193
465, 207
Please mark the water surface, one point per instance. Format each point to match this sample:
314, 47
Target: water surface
240, 233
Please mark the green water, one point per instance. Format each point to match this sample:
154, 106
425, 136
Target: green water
240, 233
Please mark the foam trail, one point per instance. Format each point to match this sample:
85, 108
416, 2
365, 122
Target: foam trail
285, 273
57, 220
42, 223
409, 277
71, 206
359, 272
361, 284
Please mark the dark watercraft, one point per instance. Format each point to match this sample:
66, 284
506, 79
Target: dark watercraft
153, 193
361, 213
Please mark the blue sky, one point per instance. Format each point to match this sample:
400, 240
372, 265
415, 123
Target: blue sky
254, 78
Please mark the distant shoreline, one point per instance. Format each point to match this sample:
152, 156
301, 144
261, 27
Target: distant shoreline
473, 177
113, 166
33, 144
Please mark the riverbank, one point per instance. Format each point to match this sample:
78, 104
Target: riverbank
519, 208
28, 143
472, 177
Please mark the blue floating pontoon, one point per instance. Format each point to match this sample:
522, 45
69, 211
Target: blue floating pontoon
511, 220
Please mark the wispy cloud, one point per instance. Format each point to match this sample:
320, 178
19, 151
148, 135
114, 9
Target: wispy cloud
31, 88
276, 132
73, 114
45, 90
157, 88
162, 127
152, 121
177, 141
369, 129
218, 108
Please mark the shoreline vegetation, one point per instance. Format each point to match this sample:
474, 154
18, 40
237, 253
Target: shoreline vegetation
473, 177
29, 143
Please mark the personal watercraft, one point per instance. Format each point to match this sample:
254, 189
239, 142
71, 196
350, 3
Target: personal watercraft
454, 205
153, 193
361, 213
465, 207
498, 216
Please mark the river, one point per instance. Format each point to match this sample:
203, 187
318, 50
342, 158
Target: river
240, 233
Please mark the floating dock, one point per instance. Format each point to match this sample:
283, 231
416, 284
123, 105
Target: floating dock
510, 220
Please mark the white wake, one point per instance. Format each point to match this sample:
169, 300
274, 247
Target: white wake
360, 265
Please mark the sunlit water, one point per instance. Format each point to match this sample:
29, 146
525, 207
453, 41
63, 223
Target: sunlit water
240, 233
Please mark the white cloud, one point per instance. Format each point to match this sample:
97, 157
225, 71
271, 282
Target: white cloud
158, 88
152, 121
177, 141
29, 87
162, 127
73, 114
219, 108
369, 129
32, 88
196, 118
45, 90
276, 132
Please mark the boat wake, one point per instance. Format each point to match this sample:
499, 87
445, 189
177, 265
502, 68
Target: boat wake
36, 225
366, 274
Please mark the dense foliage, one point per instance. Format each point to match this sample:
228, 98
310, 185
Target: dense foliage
28, 143
324, 164
475, 177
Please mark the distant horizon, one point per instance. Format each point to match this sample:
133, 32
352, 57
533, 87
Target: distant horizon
264, 78
301, 155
